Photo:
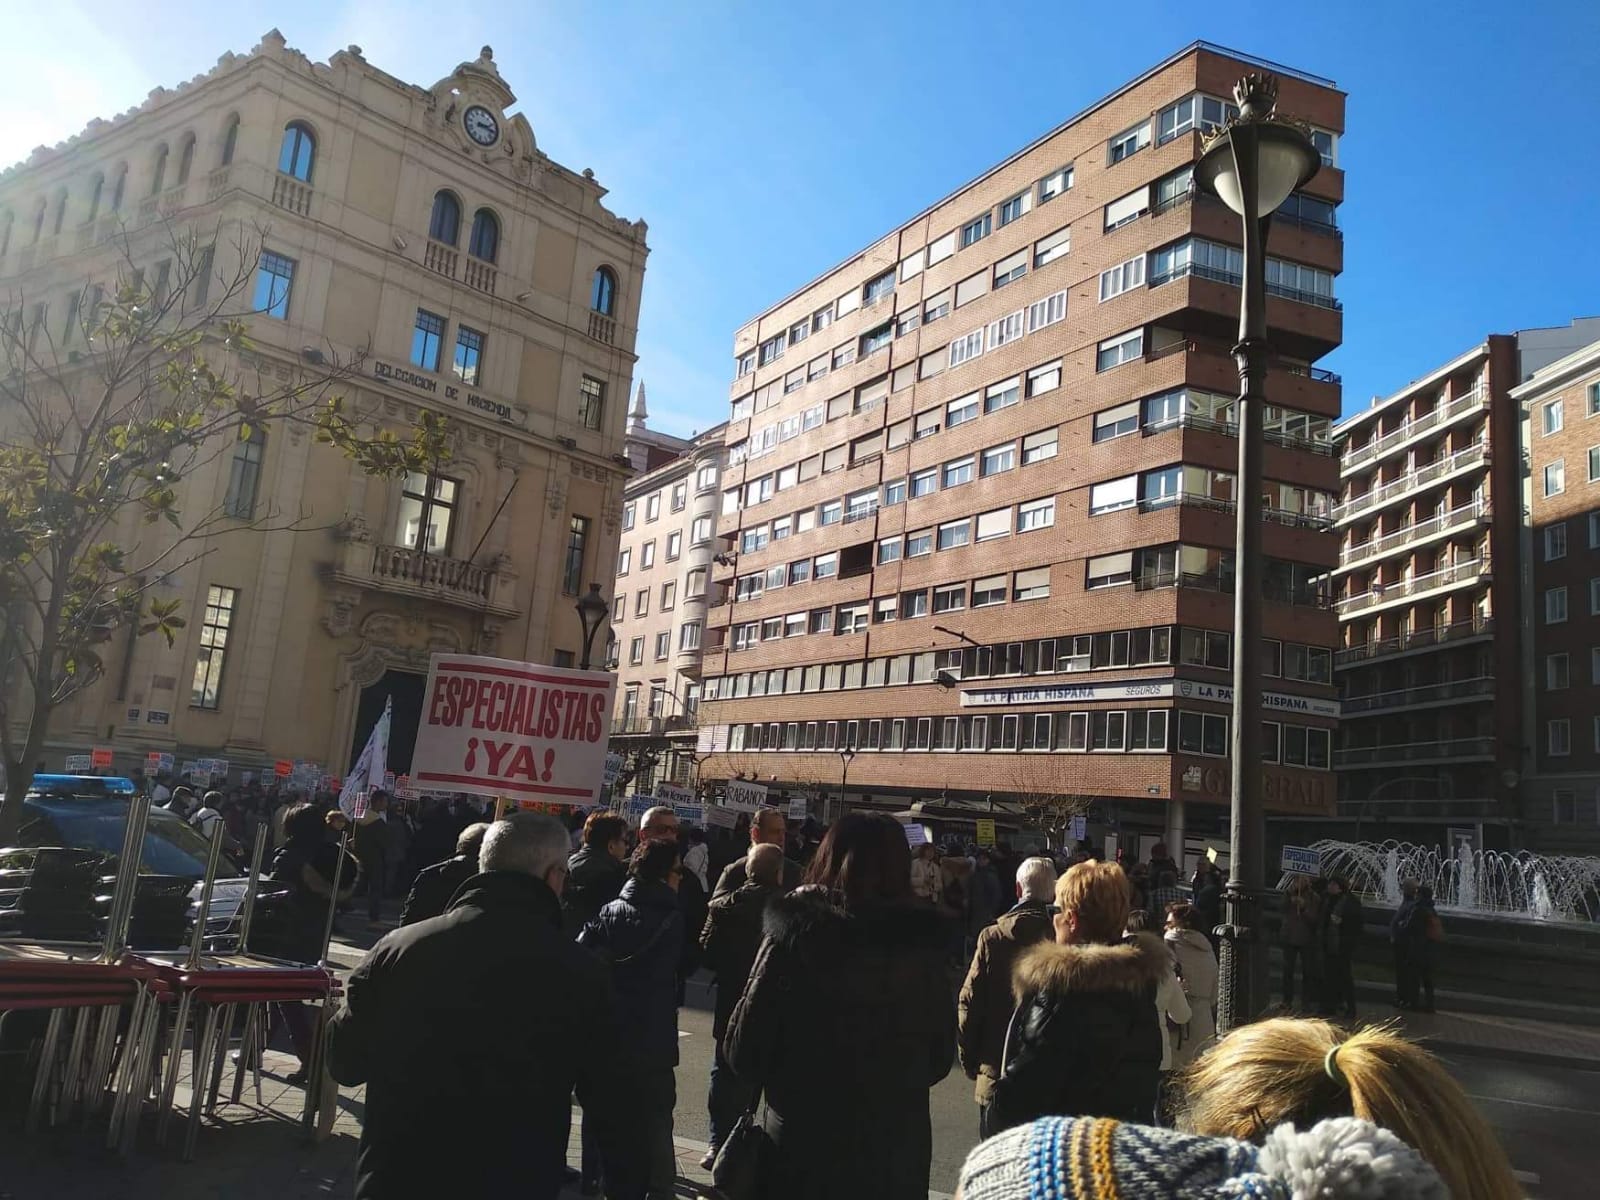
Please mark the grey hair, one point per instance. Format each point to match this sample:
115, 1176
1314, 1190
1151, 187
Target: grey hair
651, 814
1037, 878
470, 840
531, 843
764, 863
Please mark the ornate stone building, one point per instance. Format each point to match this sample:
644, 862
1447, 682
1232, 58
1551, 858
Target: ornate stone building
420, 233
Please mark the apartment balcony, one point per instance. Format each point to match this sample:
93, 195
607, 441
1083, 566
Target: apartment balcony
418, 575
1416, 588
479, 275
1441, 417
1412, 481
1415, 642
1430, 695
687, 662
1449, 750
291, 195
602, 328
440, 258
1457, 520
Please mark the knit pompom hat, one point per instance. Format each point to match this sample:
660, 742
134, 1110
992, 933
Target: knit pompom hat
1060, 1158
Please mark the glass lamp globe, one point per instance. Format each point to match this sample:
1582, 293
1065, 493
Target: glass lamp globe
1285, 160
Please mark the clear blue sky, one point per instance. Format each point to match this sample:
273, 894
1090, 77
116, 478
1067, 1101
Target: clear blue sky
764, 142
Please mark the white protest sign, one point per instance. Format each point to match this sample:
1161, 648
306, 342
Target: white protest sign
495, 727
77, 764
671, 793
798, 810
916, 835
745, 797
718, 816
613, 767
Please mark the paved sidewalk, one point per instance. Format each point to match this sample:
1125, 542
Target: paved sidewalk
1573, 1046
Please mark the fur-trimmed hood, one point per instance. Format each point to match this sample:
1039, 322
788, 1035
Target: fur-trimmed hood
1131, 965
812, 920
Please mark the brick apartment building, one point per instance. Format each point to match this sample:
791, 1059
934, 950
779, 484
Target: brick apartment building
977, 518
1560, 675
1437, 606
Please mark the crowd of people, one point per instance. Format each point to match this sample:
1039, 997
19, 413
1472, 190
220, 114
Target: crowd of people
1085, 1019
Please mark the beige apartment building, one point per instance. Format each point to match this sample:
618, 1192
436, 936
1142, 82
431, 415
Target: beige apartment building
423, 226
659, 606
977, 519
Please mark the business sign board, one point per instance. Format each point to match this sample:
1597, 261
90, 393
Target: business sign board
496, 727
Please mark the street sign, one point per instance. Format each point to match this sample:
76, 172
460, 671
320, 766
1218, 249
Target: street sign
986, 833
156, 716
1301, 860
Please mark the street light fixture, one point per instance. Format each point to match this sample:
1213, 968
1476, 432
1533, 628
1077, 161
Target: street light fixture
845, 756
592, 611
1252, 164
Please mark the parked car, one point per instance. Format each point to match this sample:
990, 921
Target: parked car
56, 882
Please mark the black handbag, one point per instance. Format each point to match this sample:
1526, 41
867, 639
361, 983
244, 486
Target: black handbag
744, 1160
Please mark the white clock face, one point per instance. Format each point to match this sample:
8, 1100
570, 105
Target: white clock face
480, 125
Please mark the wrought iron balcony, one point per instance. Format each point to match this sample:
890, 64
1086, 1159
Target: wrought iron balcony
1425, 638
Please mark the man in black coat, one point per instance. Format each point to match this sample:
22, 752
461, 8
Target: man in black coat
767, 828
471, 1031
435, 886
1087, 1041
596, 873
731, 938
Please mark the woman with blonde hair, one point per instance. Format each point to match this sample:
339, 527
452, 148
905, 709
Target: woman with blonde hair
1306, 1071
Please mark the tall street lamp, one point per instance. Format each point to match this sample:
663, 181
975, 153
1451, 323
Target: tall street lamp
845, 756
592, 611
1251, 164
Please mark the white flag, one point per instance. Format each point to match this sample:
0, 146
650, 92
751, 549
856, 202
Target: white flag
370, 767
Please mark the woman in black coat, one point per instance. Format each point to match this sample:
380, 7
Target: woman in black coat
1087, 1038
641, 934
847, 1020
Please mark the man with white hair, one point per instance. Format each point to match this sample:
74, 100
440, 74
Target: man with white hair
987, 1003
472, 1029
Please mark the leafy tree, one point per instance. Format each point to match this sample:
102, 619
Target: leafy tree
105, 413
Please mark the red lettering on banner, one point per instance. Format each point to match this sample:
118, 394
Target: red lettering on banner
497, 754
597, 704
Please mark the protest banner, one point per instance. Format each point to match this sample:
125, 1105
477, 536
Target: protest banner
720, 817
100, 757
282, 768
671, 793
613, 769
916, 835
799, 808
495, 727
985, 833
79, 764
744, 797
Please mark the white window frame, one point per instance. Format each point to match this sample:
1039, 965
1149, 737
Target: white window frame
1052, 246
1036, 514
1126, 347
1128, 143
1055, 184
1124, 210
1047, 310
1555, 541
1004, 330
1016, 208
966, 347
1552, 418
1559, 476
1555, 606
1045, 438
1042, 379
1123, 277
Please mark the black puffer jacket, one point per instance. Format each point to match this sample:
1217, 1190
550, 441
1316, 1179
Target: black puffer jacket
846, 1022
641, 933
594, 880
1086, 1041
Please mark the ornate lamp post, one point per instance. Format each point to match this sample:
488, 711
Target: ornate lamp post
1251, 164
592, 611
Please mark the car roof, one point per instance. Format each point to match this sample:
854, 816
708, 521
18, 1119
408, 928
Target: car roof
82, 785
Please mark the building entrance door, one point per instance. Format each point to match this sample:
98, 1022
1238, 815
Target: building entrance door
405, 689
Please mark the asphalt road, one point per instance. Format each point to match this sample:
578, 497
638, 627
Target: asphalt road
1547, 1116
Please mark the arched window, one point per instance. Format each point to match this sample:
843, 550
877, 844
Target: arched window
121, 185
61, 213
485, 243
230, 139
445, 223
603, 297
6, 224
299, 152
38, 223
97, 190
185, 159
159, 179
